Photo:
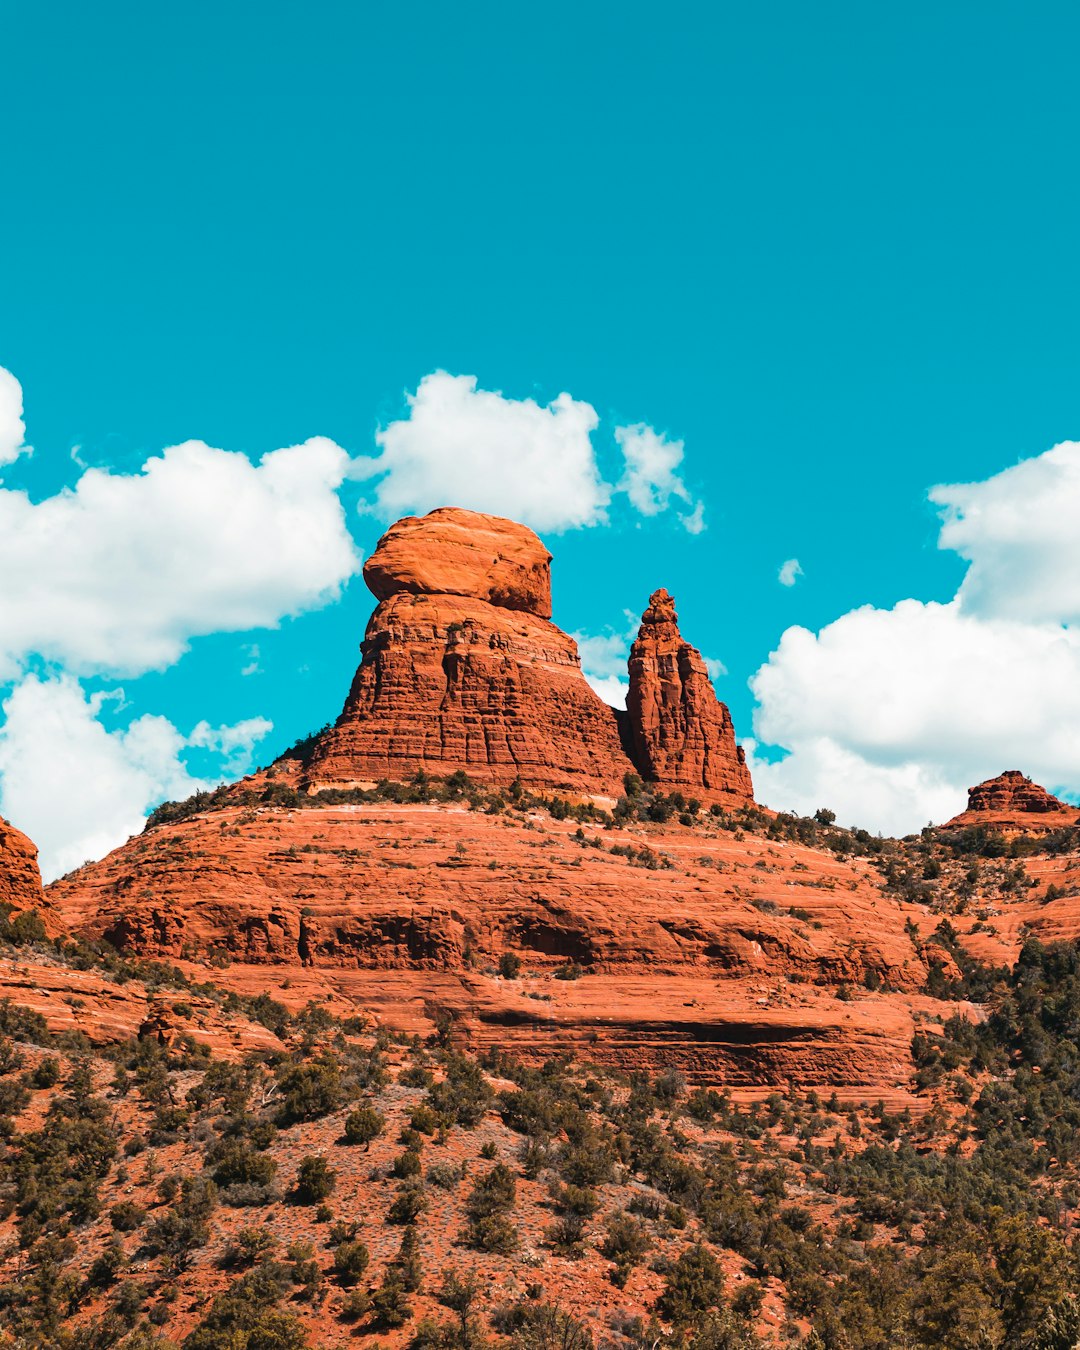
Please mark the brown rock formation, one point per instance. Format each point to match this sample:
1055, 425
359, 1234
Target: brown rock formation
20, 880
722, 960
682, 734
462, 669
1012, 804
465, 553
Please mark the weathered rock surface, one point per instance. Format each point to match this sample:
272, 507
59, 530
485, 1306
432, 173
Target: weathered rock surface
465, 553
463, 670
110, 1013
724, 963
682, 734
20, 880
1012, 804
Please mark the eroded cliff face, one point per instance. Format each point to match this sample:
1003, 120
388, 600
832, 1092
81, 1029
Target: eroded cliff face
682, 734
722, 958
463, 669
20, 880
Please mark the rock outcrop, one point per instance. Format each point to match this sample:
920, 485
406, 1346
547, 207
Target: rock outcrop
682, 734
463, 670
20, 880
1012, 804
698, 949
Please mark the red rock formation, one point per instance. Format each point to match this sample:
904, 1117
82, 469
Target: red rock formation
1012, 804
94, 1004
722, 961
465, 553
682, 734
20, 880
463, 670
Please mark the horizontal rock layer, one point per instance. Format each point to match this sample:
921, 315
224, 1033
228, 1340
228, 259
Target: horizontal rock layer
724, 963
1012, 804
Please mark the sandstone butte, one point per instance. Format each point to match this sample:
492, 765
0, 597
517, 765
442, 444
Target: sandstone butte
463, 669
1012, 804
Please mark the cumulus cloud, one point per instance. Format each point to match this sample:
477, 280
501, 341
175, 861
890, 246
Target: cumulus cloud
233, 743
12, 428
790, 572
896, 799
464, 446
650, 479
603, 661
79, 790
1019, 530
888, 716
117, 574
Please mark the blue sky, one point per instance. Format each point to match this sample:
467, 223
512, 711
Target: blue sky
829, 249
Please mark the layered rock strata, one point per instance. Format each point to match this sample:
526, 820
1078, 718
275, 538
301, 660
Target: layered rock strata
463, 670
1012, 804
20, 880
722, 960
682, 734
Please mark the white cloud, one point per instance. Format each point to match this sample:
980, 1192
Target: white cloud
79, 790
12, 428
233, 743
603, 660
463, 446
1020, 530
790, 572
890, 715
895, 799
650, 479
610, 688
117, 574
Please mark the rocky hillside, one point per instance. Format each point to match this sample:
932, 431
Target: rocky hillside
341, 1185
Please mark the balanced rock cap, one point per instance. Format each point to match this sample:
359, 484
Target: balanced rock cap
456, 552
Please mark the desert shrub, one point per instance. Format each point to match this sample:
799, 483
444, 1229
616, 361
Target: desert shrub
489, 1203
126, 1216
315, 1179
390, 1306
247, 1316
350, 1261
409, 1203
232, 1163
309, 1091
464, 1095
363, 1125
694, 1285
625, 1243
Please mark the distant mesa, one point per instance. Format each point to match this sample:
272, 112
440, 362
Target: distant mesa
1012, 804
463, 670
